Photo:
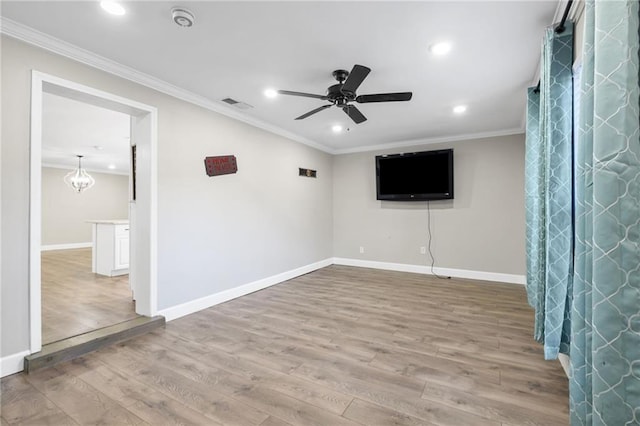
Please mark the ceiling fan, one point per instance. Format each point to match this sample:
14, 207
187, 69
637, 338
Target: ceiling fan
343, 93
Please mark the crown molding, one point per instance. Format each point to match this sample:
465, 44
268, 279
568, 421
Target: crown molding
42, 40
89, 169
428, 141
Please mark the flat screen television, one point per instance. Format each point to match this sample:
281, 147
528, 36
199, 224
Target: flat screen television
415, 176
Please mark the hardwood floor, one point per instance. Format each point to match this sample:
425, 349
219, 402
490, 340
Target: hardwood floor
339, 346
75, 300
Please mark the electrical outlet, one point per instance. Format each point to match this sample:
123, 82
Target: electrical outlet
423, 250
361, 249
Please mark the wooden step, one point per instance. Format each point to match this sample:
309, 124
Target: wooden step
76, 346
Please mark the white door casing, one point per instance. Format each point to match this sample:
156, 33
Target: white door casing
142, 211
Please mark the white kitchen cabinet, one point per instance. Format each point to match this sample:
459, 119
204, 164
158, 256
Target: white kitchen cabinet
110, 254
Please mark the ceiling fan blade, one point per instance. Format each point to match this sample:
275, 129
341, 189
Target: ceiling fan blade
354, 113
384, 97
355, 78
306, 95
314, 111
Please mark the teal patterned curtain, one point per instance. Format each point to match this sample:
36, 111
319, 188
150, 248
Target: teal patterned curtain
549, 192
534, 212
605, 346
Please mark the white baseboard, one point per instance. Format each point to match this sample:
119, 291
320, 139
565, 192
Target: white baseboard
193, 306
565, 362
65, 246
187, 308
421, 269
13, 363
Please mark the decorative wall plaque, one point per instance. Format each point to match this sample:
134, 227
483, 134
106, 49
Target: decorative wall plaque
221, 165
307, 172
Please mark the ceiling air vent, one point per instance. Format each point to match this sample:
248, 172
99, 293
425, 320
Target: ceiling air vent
236, 104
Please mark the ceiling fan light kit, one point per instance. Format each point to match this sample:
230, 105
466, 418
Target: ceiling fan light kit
344, 93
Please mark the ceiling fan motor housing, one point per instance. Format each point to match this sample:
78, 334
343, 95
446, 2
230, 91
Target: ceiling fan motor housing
338, 97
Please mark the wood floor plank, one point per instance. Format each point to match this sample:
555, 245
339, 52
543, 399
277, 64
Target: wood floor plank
291, 409
250, 370
80, 401
371, 348
53, 419
313, 393
22, 403
375, 415
223, 376
506, 365
426, 367
488, 408
386, 397
205, 397
148, 404
341, 345
273, 421
75, 300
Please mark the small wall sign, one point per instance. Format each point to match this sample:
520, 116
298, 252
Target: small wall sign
307, 172
221, 165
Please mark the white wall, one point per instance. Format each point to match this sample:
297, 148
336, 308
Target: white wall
214, 233
481, 229
259, 222
65, 212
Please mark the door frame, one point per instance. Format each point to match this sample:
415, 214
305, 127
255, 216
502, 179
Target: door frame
142, 212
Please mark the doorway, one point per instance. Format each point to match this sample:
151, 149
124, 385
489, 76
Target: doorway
75, 300
142, 207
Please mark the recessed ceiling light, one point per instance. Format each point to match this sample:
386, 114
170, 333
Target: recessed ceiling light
337, 128
98, 147
440, 48
112, 7
459, 109
270, 93
111, 166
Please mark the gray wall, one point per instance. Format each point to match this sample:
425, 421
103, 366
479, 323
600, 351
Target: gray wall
65, 212
482, 229
213, 233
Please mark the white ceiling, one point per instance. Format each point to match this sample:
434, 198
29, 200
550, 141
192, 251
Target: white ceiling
238, 49
71, 128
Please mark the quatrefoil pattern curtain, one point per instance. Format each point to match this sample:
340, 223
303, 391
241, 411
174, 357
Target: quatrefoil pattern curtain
586, 288
605, 344
548, 193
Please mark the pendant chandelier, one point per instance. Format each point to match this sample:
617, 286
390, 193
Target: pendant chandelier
79, 180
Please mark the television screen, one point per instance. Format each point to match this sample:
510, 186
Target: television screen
415, 176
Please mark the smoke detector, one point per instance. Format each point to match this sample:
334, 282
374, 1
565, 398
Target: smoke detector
182, 17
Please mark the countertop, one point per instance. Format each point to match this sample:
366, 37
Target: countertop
110, 221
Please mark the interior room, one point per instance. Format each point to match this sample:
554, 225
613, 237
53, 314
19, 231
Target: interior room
74, 298
319, 213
